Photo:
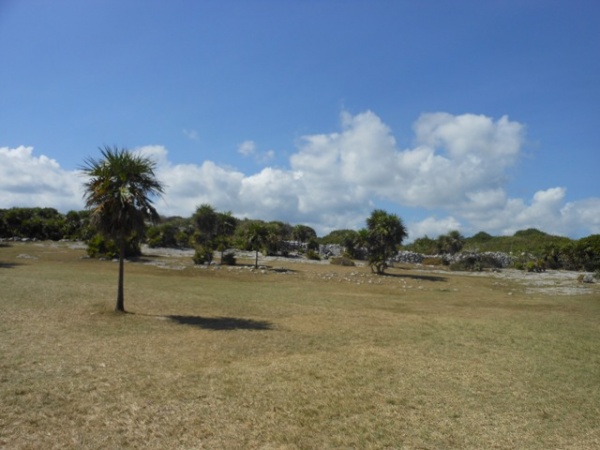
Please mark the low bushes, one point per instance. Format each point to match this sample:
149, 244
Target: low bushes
100, 247
228, 259
476, 262
203, 255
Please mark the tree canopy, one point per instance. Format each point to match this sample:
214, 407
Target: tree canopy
385, 233
118, 194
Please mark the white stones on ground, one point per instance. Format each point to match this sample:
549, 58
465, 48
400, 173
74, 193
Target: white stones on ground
26, 256
588, 278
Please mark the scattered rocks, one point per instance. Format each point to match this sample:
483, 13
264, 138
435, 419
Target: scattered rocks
586, 278
554, 282
498, 259
407, 257
330, 250
18, 239
26, 256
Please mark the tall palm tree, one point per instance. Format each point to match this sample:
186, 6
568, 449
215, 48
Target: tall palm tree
118, 193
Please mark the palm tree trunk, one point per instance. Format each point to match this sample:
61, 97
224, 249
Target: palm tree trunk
120, 297
256, 260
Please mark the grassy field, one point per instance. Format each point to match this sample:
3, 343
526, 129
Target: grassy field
296, 356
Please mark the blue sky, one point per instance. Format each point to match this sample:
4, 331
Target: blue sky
464, 115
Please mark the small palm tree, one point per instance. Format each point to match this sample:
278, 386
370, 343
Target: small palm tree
256, 237
118, 195
385, 232
452, 243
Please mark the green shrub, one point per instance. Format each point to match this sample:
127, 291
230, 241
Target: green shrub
535, 266
530, 266
529, 263
470, 264
489, 262
476, 262
203, 255
100, 247
228, 259
311, 254
153, 237
163, 235
424, 245
313, 244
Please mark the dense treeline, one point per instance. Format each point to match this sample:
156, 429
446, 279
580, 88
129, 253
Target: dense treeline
532, 249
207, 230
210, 232
44, 224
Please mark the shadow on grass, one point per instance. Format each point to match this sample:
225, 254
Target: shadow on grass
222, 323
281, 269
7, 265
145, 259
277, 269
416, 277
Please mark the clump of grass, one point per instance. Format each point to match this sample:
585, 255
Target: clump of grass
342, 261
433, 261
313, 255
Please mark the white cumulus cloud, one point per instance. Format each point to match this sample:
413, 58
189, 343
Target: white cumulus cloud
31, 181
247, 148
191, 134
455, 159
432, 227
457, 168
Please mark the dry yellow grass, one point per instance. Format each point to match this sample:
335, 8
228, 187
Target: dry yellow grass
306, 356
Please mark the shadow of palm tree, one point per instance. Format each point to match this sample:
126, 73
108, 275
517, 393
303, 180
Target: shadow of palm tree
281, 269
416, 277
8, 265
222, 323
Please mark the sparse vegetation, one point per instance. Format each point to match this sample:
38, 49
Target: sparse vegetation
203, 255
308, 356
226, 232
100, 247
